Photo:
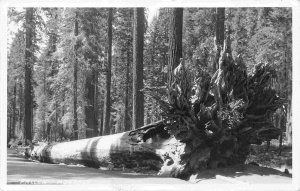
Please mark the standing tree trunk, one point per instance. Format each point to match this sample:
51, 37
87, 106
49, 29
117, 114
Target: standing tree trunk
75, 127
96, 108
126, 113
101, 119
165, 55
220, 14
56, 120
288, 92
32, 129
48, 132
138, 47
107, 99
61, 132
149, 101
219, 41
90, 107
45, 94
279, 124
289, 123
20, 107
29, 26
91, 92
127, 81
14, 111
175, 39
9, 127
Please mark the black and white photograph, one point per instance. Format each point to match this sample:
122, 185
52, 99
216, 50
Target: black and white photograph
149, 97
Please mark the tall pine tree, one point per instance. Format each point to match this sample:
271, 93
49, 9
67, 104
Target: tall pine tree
29, 60
107, 99
138, 48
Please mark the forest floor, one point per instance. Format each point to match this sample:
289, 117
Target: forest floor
242, 174
272, 167
23, 171
271, 157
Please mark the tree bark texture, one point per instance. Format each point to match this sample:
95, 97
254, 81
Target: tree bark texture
75, 125
220, 18
90, 107
101, 116
56, 120
126, 109
8, 128
288, 92
28, 101
138, 47
127, 81
96, 104
107, 98
20, 107
14, 120
289, 122
175, 37
45, 93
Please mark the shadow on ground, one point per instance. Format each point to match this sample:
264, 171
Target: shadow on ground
245, 174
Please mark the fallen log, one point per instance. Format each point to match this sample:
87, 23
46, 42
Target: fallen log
123, 150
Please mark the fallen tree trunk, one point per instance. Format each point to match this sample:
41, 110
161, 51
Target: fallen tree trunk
143, 147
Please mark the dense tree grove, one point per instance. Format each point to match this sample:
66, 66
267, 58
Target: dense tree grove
76, 73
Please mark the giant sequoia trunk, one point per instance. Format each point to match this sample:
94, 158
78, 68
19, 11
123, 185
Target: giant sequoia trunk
127, 80
75, 126
107, 99
138, 47
14, 120
90, 109
143, 147
20, 107
28, 74
175, 37
126, 104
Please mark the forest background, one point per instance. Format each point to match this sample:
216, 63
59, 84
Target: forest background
258, 35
